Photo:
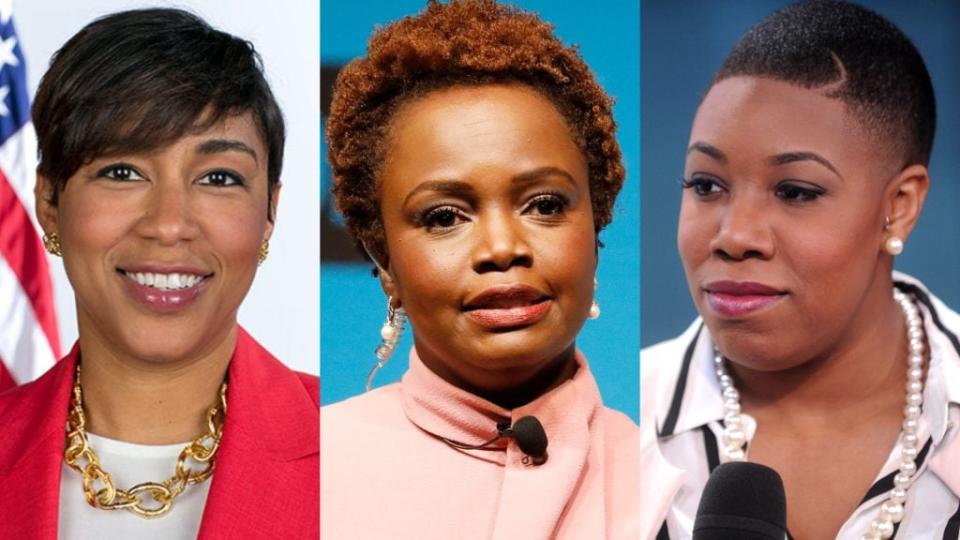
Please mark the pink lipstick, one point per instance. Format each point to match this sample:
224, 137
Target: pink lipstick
164, 289
740, 298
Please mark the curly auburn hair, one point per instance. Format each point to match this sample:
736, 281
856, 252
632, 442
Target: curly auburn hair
464, 42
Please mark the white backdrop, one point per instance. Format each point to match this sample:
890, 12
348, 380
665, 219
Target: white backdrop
283, 308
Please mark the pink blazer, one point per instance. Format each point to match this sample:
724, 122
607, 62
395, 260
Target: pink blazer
266, 484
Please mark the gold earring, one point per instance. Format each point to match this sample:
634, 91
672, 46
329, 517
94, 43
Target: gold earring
264, 251
51, 241
893, 245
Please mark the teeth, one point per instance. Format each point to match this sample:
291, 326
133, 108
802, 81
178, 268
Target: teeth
166, 282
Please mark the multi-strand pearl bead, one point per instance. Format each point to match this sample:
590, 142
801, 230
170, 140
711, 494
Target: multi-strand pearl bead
892, 510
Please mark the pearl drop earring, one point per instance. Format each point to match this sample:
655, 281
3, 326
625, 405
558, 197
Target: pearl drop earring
390, 334
893, 245
594, 306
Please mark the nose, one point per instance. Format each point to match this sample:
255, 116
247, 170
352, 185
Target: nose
744, 232
168, 216
501, 242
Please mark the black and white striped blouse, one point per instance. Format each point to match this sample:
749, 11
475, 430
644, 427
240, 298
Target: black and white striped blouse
689, 413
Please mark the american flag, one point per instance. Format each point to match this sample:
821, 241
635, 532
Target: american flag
29, 343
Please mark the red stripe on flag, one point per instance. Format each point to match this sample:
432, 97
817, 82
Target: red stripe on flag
6, 381
20, 245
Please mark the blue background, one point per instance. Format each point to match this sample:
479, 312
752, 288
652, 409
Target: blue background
682, 45
353, 307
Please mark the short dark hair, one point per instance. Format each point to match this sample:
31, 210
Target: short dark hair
468, 43
869, 63
140, 79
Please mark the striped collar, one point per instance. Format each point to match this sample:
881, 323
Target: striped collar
688, 393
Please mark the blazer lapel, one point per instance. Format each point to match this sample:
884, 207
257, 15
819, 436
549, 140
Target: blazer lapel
266, 482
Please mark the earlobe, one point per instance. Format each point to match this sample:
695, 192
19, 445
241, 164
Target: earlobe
390, 288
906, 195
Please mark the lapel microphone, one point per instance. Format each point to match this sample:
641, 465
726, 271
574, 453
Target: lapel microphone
527, 432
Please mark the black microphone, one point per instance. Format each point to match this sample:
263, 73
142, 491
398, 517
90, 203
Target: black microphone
742, 501
531, 438
527, 431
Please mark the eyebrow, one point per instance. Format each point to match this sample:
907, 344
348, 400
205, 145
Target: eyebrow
709, 150
792, 157
540, 173
459, 187
452, 187
216, 146
779, 159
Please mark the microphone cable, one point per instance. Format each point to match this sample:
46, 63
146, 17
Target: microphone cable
527, 431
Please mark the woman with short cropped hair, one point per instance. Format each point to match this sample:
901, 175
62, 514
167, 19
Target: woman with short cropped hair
161, 148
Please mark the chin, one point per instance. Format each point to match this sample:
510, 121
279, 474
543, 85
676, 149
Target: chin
166, 343
519, 349
764, 352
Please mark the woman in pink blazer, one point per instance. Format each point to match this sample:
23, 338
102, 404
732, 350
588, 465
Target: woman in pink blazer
160, 154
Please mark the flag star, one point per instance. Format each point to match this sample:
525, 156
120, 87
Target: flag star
4, 110
7, 56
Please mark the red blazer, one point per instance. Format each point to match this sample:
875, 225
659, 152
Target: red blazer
267, 480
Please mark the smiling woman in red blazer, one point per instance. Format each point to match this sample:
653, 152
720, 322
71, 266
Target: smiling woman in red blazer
161, 148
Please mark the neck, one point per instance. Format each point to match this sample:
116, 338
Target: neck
864, 370
136, 401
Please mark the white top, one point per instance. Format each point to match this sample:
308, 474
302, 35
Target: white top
689, 414
128, 465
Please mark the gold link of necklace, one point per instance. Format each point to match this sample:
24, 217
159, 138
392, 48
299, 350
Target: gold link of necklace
98, 486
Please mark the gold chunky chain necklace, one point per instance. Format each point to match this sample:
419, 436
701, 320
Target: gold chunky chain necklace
98, 486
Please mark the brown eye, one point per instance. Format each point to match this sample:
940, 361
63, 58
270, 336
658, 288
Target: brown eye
797, 194
702, 186
548, 205
442, 217
222, 179
120, 172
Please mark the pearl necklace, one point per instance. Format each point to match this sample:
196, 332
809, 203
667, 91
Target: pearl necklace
891, 511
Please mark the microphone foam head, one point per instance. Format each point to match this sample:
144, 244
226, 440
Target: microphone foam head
742, 501
530, 436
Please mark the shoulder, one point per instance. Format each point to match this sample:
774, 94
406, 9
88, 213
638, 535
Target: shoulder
31, 412
659, 358
381, 407
619, 430
254, 366
19, 399
944, 316
15, 398
311, 383
356, 430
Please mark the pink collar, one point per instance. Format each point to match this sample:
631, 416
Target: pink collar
443, 410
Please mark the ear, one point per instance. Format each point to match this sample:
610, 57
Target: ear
272, 209
47, 213
905, 195
390, 287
